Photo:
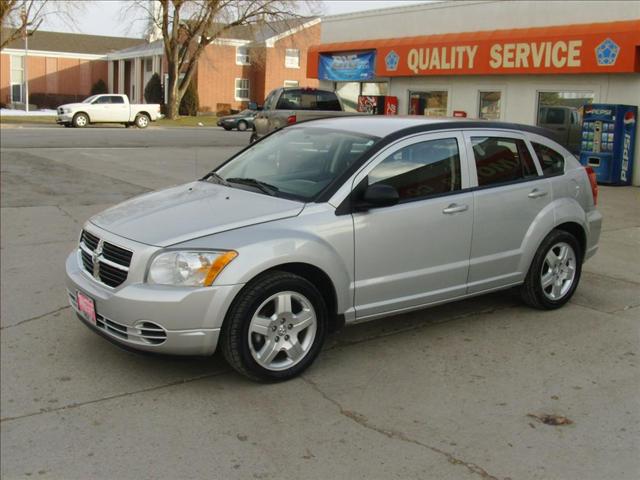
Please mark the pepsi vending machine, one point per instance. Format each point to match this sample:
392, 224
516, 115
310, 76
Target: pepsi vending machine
608, 139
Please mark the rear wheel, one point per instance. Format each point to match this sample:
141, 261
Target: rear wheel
275, 328
242, 125
142, 121
80, 120
554, 273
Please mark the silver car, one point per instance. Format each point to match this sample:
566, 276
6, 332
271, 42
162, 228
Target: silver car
330, 222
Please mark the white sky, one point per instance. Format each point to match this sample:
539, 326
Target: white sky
103, 17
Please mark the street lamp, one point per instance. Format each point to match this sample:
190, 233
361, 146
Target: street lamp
25, 70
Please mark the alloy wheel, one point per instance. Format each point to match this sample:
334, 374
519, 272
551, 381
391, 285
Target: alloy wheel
558, 271
282, 330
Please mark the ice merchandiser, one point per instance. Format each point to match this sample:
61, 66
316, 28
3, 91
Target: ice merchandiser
608, 139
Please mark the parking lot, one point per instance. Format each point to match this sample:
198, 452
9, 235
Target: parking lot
452, 392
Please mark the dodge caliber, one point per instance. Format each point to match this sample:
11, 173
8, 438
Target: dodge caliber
332, 222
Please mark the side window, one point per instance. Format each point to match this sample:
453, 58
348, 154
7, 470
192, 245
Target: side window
116, 99
101, 100
501, 160
290, 100
552, 162
421, 170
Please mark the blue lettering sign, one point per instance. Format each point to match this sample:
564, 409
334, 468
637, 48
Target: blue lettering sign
347, 67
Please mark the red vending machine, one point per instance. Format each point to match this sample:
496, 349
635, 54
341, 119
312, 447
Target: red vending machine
378, 104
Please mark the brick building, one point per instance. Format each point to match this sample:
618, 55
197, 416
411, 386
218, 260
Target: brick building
61, 67
241, 66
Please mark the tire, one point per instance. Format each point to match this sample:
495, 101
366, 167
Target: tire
253, 327
242, 126
554, 273
142, 120
80, 120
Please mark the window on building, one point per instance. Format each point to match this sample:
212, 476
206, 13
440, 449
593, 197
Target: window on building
374, 88
421, 170
502, 160
430, 103
552, 162
489, 107
242, 89
242, 55
291, 83
148, 64
292, 58
17, 78
561, 112
348, 93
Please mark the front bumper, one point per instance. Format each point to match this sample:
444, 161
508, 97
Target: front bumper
153, 318
64, 118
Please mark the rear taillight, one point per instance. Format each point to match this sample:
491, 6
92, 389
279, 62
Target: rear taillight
291, 119
594, 183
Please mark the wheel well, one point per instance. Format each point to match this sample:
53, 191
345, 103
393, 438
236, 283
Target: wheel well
83, 113
577, 231
324, 285
143, 113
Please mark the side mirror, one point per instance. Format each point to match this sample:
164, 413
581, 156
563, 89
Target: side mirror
378, 195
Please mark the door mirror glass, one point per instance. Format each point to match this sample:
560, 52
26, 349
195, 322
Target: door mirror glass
379, 195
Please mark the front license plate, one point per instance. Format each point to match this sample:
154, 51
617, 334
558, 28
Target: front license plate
87, 307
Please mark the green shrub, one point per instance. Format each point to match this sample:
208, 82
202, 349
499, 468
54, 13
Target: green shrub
99, 87
190, 102
153, 91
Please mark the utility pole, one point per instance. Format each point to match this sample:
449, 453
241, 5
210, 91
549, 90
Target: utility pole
25, 70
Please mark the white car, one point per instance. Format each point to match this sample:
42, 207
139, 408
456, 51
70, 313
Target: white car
108, 108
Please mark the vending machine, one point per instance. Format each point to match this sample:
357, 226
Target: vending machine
378, 104
608, 139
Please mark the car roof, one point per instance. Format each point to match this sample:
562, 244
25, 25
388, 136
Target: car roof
384, 125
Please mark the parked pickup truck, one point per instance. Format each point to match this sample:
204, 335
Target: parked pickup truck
287, 105
107, 108
565, 123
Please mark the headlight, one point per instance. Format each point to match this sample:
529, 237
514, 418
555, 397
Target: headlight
184, 268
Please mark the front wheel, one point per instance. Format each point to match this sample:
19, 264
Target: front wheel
80, 120
242, 126
142, 121
275, 328
554, 273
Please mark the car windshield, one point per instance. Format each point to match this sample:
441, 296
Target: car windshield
89, 99
296, 163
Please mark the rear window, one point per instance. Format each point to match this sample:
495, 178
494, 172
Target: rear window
552, 162
116, 99
502, 160
301, 99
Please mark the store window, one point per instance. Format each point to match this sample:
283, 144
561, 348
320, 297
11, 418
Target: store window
242, 89
348, 92
501, 160
291, 83
489, 107
561, 112
242, 55
375, 88
421, 170
17, 78
292, 58
432, 103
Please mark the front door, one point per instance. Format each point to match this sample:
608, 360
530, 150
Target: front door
510, 195
416, 252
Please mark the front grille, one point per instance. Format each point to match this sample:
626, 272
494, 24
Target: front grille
104, 261
60, 111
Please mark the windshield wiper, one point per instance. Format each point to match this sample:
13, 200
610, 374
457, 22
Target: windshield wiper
213, 176
252, 182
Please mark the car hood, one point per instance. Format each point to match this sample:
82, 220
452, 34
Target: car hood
191, 211
73, 105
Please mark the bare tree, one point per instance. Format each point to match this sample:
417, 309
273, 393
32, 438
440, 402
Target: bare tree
18, 17
189, 26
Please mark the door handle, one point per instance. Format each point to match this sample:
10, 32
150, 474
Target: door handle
455, 208
535, 193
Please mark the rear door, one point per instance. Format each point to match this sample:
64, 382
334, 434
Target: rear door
118, 109
416, 252
509, 193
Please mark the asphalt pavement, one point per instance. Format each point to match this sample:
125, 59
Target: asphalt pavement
453, 392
